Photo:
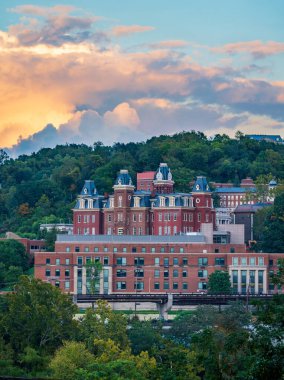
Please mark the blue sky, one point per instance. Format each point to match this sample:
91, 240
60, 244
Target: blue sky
125, 70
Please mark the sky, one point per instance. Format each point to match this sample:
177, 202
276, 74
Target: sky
119, 71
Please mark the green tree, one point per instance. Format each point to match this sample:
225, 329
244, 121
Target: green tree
93, 271
219, 282
102, 323
37, 315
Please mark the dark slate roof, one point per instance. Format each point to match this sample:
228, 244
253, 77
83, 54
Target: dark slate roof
250, 208
201, 185
123, 178
97, 201
234, 189
163, 173
89, 188
179, 199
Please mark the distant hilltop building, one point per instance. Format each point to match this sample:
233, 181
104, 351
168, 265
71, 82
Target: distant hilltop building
153, 209
277, 139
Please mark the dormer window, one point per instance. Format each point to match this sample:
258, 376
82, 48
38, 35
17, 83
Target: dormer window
111, 202
90, 203
172, 201
185, 201
136, 202
162, 201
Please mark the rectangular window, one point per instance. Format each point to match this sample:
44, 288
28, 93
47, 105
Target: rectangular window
86, 249
67, 273
67, 249
166, 285
202, 273
181, 250
121, 285
67, 261
166, 273
175, 273
175, 216
47, 261
157, 261
139, 273
244, 261
139, 285
67, 285
93, 218
139, 261
77, 249
162, 249
166, 261
184, 285
235, 261
184, 261
124, 249
270, 262
202, 285
143, 249
202, 261
47, 272
172, 250
57, 261
57, 272
79, 219
80, 260
105, 249
157, 273
121, 273
96, 249
156, 285
184, 273
121, 260
175, 285
219, 261
153, 250
252, 260
175, 261
261, 261
106, 261
57, 284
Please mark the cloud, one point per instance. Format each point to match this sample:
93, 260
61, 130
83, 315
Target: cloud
89, 90
169, 44
256, 48
126, 30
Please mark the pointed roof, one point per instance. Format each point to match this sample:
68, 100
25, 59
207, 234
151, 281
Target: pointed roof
201, 185
89, 188
163, 173
123, 178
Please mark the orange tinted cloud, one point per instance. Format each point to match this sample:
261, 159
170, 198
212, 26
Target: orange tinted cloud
257, 48
125, 30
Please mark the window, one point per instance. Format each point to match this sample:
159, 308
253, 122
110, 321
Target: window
199, 217
120, 217
93, 218
184, 285
139, 261
181, 250
47, 272
57, 284
270, 262
47, 261
166, 273
260, 261
57, 272
202, 285
121, 273
86, 249
175, 285
67, 273
166, 261
202, 261
134, 217
175, 273
139, 273
77, 249
219, 261
235, 261
156, 285
175, 216
109, 217
139, 285
121, 260
160, 217
105, 249
67, 261
124, 249
252, 260
202, 273
162, 249
57, 261
143, 249
166, 285
184, 273
184, 261
80, 260
243, 261
153, 250
120, 201
162, 202
157, 261
157, 273
121, 285
97, 259
160, 230
232, 250
96, 249
67, 285
67, 249
175, 261
105, 260
134, 249
172, 250
114, 249
140, 217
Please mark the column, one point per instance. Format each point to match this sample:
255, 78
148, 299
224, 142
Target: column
239, 281
256, 282
84, 279
265, 282
75, 279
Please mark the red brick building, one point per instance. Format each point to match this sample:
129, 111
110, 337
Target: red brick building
155, 264
160, 211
